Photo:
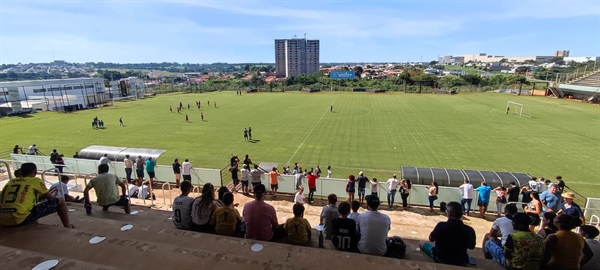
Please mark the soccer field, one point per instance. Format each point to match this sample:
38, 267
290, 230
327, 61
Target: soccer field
375, 133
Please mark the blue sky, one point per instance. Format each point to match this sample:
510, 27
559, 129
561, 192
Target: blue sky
243, 31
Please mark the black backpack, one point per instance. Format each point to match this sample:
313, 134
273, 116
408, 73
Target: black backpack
396, 248
443, 206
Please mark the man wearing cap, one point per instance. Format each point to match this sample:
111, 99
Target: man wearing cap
523, 249
452, 238
550, 199
502, 228
261, 218
362, 185
373, 227
569, 207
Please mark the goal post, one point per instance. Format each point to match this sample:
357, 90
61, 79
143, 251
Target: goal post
517, 108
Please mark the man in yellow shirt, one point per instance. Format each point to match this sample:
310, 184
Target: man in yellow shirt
273, 179
19, 200
226, 219
298, 228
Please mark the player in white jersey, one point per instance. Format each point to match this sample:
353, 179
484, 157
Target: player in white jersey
182, 207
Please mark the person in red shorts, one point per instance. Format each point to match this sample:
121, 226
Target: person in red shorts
312, 186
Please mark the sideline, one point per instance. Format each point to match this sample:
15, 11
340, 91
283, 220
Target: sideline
311, 131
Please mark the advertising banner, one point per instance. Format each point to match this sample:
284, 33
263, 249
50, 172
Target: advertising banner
142, 86
13, 98
132, 82
114, 88
342, 74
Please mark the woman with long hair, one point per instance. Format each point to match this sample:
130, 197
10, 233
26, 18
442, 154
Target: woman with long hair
500, 199
566, 249
351, 187
433, 192
534, 209
203, 207
547, 227
405, 186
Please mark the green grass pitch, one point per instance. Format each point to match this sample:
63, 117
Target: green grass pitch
376, 133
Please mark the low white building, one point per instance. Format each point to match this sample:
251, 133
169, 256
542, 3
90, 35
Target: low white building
58, 94
581, 59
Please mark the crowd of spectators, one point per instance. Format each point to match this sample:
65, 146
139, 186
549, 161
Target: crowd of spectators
513, 240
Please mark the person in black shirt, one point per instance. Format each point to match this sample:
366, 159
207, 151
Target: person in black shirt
526, 192
560, 185
249, 133
513, 192
177, 172
245, 134
344, 235
234, 160
247, 161
16, 149
362, 184
234, 177
452, 238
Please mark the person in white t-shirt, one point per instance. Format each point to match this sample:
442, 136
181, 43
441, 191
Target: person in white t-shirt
104, 159
32, 150
182, 207
133, 190
299, 198
65, 190
392, 186
467, 198
374, 227
374, 186
328, 171
245, 179
143, 192
533, 184
186, 170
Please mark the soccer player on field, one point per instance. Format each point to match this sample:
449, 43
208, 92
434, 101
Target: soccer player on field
202, 116
187, 119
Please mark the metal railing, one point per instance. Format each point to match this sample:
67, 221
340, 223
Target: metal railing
10, 176
163, 194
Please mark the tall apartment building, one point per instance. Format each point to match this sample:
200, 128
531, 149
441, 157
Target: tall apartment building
562, 53
296, 56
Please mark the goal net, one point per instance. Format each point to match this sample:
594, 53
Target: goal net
517, 108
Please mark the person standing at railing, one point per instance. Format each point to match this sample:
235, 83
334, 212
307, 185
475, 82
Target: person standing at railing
32, 150
569, 207
362, 185
274, 181
255, 174
177, 172
245, 179
298, 177
392, 189
500, 199
405, 186
234, 177
247, 161
17, 149
534, 209
59, 163
550, 199
128, 168
560, 185
467, 198
433, 192
350, 187
312, 186
150, 169
483, 200
139, 168
104, 159
186, 170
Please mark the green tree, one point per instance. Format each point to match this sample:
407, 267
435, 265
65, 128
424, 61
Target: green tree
433, 63
450, 81
520, 79
503, 60
358, 70
522, 70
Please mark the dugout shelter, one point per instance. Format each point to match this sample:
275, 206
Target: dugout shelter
456, 177
116, 153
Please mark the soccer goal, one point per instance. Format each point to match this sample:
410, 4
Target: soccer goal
517, 108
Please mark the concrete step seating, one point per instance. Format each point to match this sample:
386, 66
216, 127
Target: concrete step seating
153, 242
592, 81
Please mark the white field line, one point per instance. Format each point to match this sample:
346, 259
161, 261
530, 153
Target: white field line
311, 131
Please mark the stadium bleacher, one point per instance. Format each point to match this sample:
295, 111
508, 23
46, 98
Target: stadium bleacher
153, 242
591, 80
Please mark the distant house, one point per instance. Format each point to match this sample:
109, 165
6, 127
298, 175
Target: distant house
487, 75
